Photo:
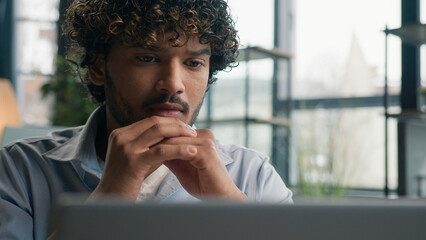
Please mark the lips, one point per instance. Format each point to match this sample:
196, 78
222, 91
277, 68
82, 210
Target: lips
167, 109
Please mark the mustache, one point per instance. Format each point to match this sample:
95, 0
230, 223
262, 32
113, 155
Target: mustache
168, 99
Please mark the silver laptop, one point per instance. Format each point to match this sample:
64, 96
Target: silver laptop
326, 220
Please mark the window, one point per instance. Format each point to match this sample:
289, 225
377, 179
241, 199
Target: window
338, 120
334, 37
36, 24
227, 95
337, 83
36, 37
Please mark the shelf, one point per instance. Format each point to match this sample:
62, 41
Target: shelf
411, 33
409, 115
255, 53
281, 122
280, 126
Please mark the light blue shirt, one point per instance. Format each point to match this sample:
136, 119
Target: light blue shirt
35, 172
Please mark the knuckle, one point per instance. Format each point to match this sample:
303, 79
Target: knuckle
159, 129
178, 121
155, 127
126, 149
206, 133
155, 120
183, 150
210, 142
160, 151
115, 136
182, 128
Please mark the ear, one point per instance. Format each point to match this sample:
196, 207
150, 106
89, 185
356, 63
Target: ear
97, 71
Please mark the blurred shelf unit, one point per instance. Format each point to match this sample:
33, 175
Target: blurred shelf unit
255, 53
282, 122
279, 119
246, 55
412, 34
409, 115
415, 120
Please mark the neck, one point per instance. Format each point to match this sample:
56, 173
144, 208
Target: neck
101, 143
104, 130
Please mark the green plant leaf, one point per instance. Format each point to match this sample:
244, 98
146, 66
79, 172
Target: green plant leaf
72, 106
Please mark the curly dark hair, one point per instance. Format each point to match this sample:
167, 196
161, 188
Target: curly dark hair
93, 26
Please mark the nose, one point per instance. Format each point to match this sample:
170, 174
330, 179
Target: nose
171, 78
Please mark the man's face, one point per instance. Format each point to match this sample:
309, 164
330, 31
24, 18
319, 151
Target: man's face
164, 81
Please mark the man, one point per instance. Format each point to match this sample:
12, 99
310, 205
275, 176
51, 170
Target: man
149, 64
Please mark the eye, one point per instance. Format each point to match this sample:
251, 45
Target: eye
148, 59
195, 63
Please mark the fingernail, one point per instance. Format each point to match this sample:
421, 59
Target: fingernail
192, 149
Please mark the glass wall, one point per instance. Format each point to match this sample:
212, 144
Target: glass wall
338, 53
254, 22
339, 56
36, 37
339, 47
227, 96
343, 147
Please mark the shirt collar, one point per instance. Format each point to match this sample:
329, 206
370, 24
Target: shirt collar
81, 144
224, 154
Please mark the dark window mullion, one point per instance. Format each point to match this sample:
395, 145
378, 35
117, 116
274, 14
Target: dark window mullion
335, 103
7, 68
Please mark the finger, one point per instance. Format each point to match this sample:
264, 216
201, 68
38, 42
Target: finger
205, 133
204, 137
182, 140
164, 152
207, 157
158, 132
197, 141
137, 128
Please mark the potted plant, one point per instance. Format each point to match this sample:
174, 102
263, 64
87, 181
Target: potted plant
72, 106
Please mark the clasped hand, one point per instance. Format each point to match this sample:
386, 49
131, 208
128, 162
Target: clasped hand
136, 150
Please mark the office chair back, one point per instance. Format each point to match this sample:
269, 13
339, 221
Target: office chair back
9, 113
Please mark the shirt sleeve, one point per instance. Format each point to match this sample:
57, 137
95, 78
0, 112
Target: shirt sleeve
16, 221
271, 187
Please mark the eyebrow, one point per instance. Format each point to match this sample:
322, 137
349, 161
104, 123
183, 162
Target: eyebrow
152, 48
204, 51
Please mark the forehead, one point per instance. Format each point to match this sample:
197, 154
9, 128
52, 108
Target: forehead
171, 39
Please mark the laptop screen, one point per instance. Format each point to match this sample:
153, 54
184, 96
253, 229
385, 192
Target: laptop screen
349, 220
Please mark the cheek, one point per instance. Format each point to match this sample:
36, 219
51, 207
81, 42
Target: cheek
131, 85
196, 89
